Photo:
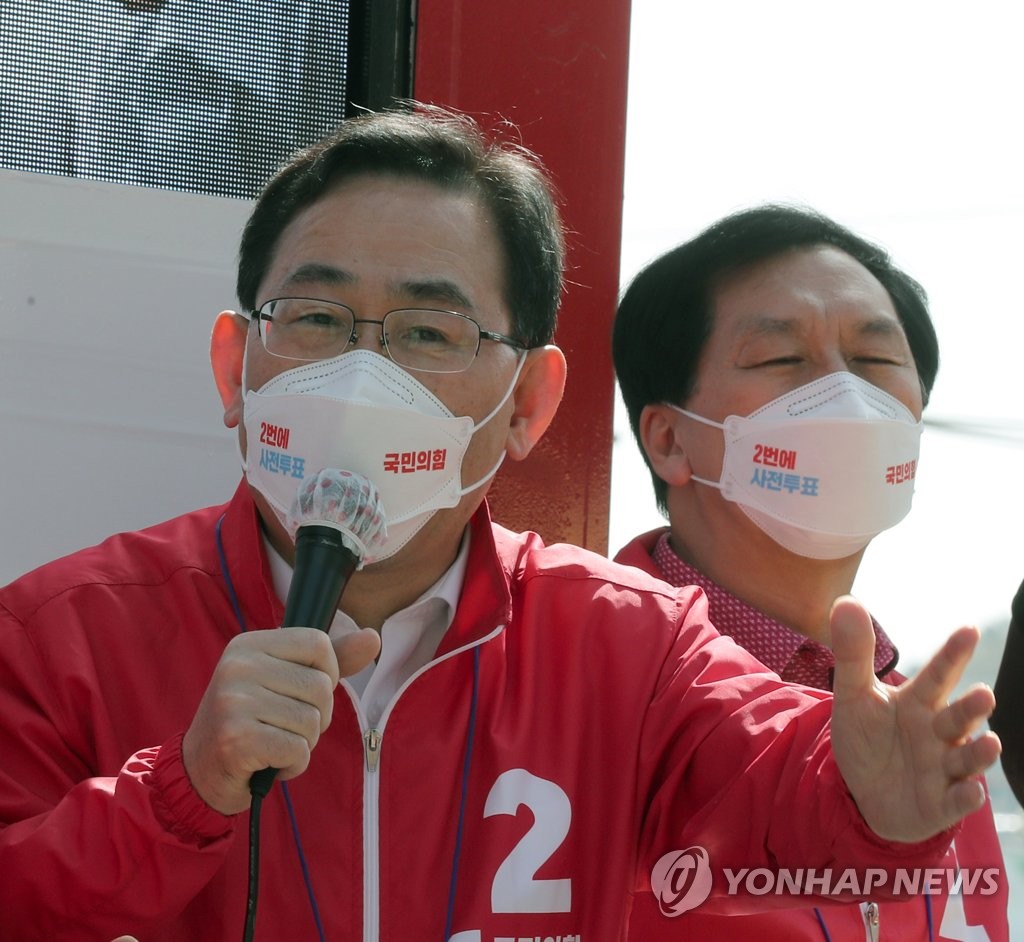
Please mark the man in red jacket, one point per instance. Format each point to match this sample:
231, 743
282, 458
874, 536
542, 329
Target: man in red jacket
517, 726
775, 368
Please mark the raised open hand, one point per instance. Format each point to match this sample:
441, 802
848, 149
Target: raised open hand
907, 754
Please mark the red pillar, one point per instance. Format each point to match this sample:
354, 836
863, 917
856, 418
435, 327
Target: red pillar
557, 70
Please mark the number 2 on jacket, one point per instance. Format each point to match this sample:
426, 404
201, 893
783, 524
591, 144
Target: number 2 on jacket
514, 889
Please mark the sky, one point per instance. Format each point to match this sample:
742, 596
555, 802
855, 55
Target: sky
901, 120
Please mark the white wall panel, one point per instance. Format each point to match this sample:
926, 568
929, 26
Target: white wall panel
109, 418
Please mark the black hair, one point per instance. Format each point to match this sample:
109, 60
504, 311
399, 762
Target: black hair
450, 150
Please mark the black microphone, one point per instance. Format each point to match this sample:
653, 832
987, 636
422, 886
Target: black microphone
336, 518
323, 566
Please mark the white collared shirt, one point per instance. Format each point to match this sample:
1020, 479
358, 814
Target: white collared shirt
409, 638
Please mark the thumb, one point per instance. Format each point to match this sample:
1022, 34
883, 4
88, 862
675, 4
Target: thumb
356, 650
853, 645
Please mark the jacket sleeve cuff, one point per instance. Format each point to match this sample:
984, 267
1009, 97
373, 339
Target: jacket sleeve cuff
177, 805
862, 840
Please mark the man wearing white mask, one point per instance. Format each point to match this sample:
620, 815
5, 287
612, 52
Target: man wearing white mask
517, 725
775, 368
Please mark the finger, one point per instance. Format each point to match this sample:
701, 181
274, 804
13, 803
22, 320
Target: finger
293, 716
853, 644
305, 687
306, 646
965, 714
936, 680
356, 650
972, 758
281, 749
964, 798
252, 728
303, 646
224, 746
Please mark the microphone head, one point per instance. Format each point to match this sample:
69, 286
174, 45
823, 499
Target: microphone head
344, 500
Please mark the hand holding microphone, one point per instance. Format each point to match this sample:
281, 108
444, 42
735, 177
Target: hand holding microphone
335, 519
272, 692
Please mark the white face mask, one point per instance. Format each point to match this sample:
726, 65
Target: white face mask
361, 412
823, 469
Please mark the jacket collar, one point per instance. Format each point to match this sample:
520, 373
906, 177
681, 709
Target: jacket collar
637, 552
496, 557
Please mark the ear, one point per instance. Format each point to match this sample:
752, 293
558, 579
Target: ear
536, 397
227, 350
667, 455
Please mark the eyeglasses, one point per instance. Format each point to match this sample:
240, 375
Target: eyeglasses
425, 340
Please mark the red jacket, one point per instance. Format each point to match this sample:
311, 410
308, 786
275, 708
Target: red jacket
577, 715
962, 919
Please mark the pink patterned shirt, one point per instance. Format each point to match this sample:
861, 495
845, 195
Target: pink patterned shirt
792, 656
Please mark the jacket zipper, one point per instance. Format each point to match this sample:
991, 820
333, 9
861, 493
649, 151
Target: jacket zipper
371, 837
371, 744
372, 739
871, 921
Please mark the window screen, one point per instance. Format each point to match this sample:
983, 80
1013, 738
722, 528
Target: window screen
204, 96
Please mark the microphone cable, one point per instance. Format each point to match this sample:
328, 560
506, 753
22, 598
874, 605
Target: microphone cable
253, 891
